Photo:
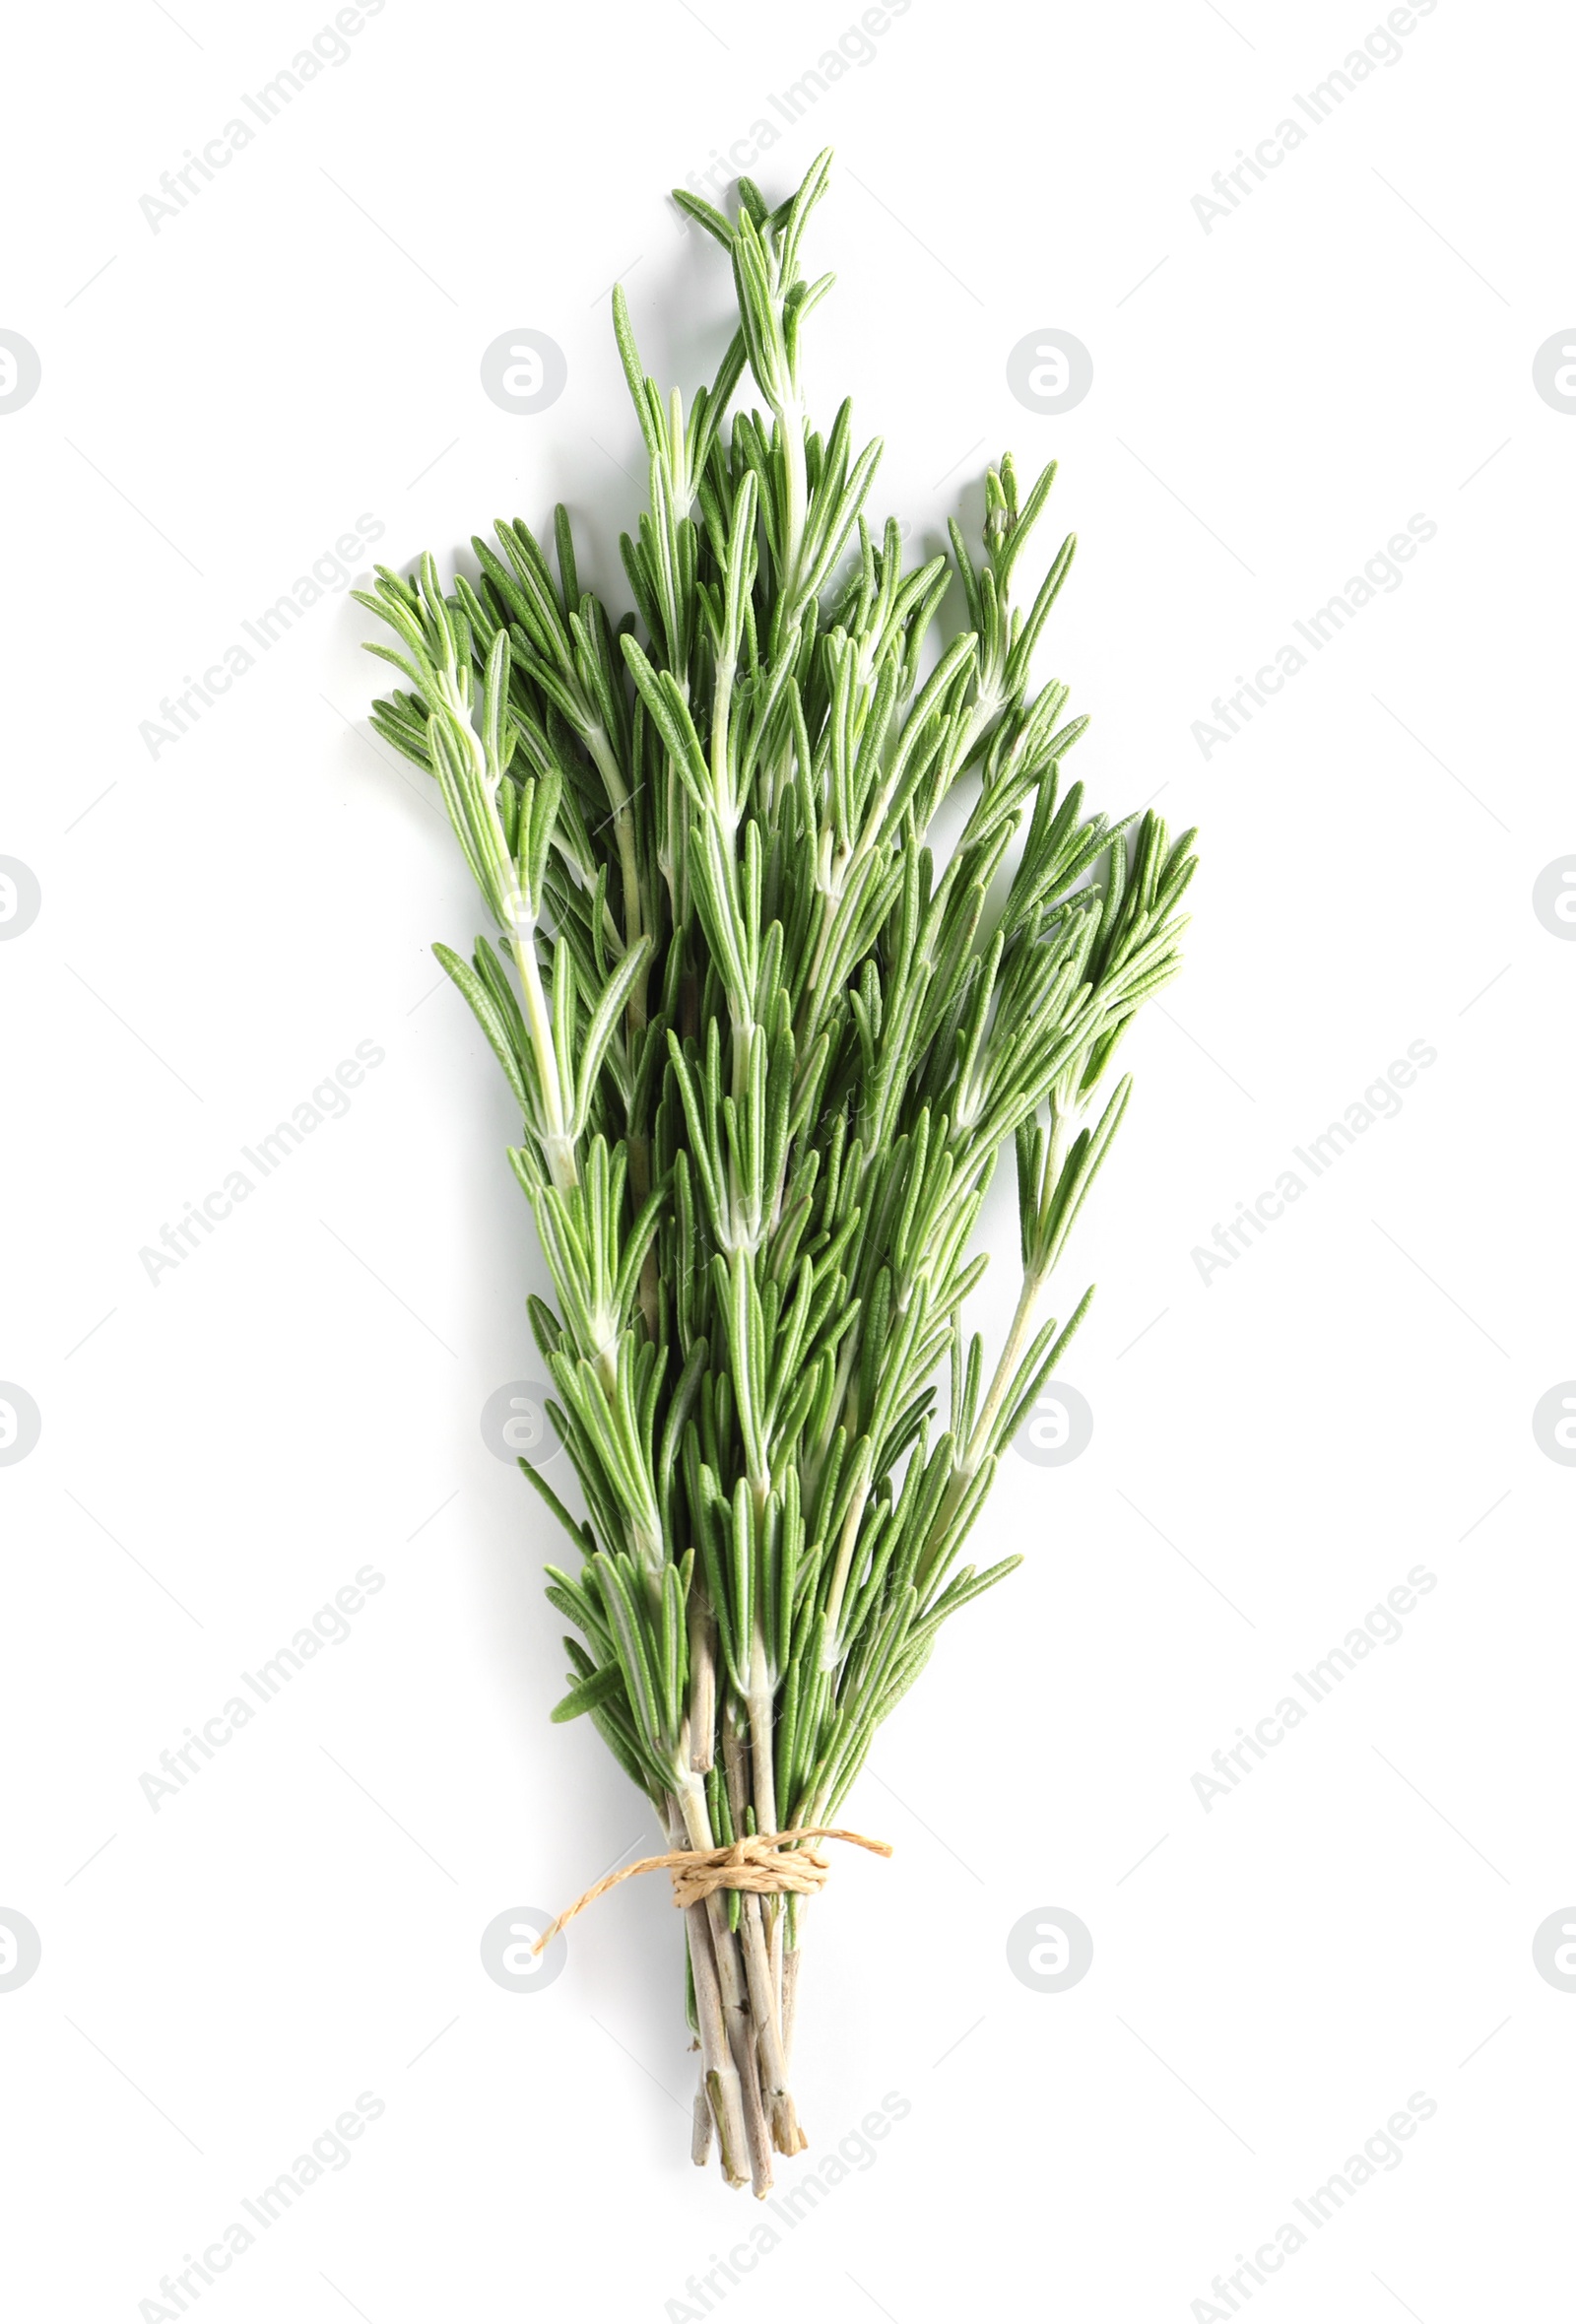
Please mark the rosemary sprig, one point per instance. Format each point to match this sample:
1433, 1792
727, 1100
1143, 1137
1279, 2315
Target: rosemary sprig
766, 1046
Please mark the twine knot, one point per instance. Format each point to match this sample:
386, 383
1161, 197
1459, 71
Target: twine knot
761, 1863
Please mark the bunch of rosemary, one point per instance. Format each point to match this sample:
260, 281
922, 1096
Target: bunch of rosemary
766, 1049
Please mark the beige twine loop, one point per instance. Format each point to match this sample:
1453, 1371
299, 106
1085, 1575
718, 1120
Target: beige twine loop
750, 1863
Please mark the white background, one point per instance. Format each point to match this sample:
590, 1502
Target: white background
220, 1451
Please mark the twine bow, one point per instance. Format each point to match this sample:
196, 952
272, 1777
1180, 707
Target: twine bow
751, 1863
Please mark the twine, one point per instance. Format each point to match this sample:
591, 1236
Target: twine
750, 1863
